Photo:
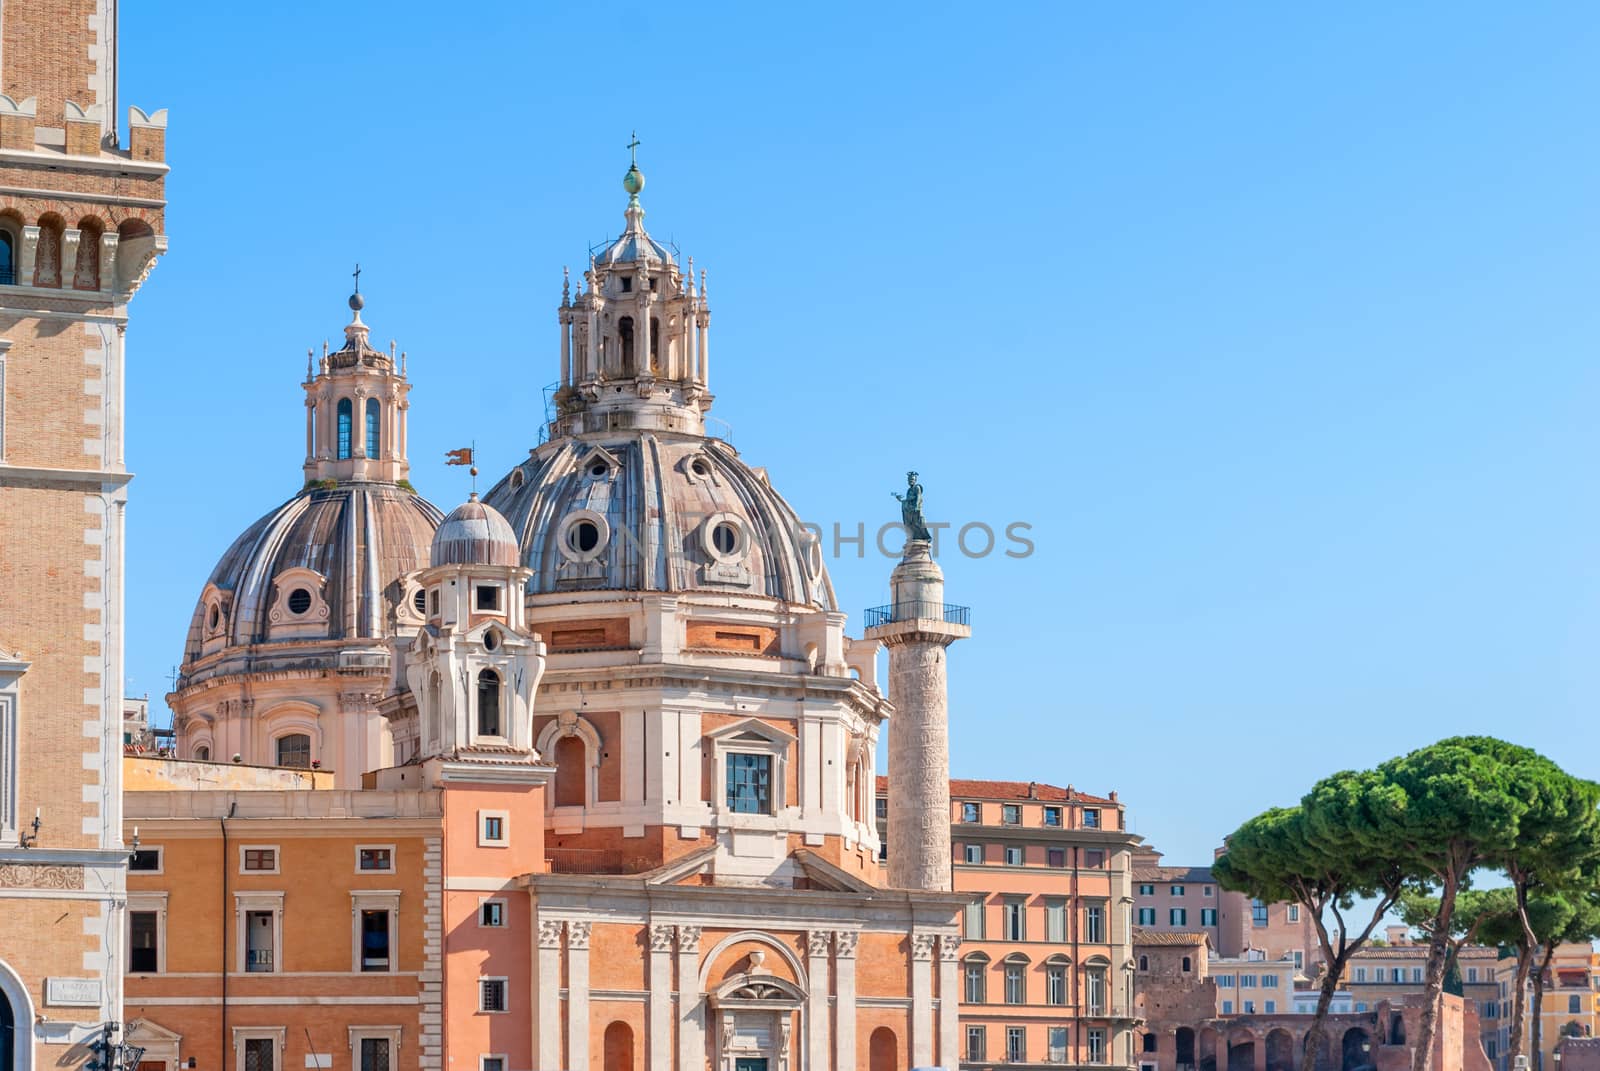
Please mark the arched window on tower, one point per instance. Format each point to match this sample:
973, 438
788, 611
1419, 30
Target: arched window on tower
344, 430
373, 410
8, 262
294, 750
625, 334
655, 345
489, 703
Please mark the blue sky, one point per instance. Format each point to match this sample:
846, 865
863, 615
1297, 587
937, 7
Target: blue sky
1279, 329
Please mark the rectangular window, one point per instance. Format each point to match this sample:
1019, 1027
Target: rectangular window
1011, 814
1416, 974
1058, 1045
749, 783
145, 861
1224, 981
1055, 920
1269, 981
1176, 890
1208, 916
374, 1054
1147, 890
1094, 991
375, 859
1361, 974
374, 940
972, 921
1016, 991
971, 813
1270, 1007
1206, 891
1294, 912
1147, 916
488, 596
1016, 1044
1014, 916
260, 931
1227, 1007
260, 860
1258, 913
1096, 1036
259, 1054
1056, 857
881, 808
1299, 960
973, 853
143, 937
491, 994
1247, 981
1472, 974
1091, 818
491, 828
1249, 1007
1013, 855
433, 602
1397, 974
975, 982
976, 1043
1056, 985
1178, 916
1094, 924
492, 913
1094, 858
491, 1063
1052, 816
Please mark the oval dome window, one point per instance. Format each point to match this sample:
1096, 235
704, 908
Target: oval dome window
299, 601
584, 537
725, 537
420, 601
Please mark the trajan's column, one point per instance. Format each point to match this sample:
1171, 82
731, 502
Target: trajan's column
917, 626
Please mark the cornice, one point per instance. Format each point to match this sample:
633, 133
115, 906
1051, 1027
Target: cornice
88, 479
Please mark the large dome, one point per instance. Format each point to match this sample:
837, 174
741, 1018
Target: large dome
638, 511
324, 565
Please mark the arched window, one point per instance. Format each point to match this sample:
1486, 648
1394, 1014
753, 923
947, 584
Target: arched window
8, 261
8, 1032
434, 714
372, 427
572, 784
625, 334
882, 1054
1144, 963
488, 703
344, 431
202, 753
86, 269
619, 1047
655, 356
295, 750
1187, 965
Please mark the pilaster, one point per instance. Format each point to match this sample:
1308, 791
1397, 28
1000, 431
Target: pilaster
818, 945
922, 999
547, 1013
691, 1011
659, 1052
949, 1001
578, 995
844, 999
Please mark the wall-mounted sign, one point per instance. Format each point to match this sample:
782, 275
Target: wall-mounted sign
72, 992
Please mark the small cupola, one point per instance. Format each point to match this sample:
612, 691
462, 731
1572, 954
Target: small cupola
474, 534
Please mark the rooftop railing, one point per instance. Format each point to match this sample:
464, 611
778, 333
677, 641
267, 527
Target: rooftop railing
911, 611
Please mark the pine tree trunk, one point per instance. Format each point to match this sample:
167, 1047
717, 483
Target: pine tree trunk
1538, 1007
1519, 1000
1311, 1058
1433, 978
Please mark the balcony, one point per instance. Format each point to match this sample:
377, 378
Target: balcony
258, 960
913, 611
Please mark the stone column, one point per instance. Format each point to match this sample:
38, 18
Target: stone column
691, 1014
818, 944
659, 981
922, 999
949, 1002
578, 995
919, 732
844, 1000
547, 1010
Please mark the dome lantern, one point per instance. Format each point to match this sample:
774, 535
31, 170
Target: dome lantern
356, 405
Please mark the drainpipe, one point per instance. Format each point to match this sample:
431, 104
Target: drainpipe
223, 1037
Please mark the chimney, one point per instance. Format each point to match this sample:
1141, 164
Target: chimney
1396, 935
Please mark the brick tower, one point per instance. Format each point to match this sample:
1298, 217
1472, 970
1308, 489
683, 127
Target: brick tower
917, 626
81, 213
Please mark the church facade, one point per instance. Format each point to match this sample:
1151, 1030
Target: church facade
616, 697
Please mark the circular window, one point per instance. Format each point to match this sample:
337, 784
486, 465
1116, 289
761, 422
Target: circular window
699, 467
299, 601
725, 537
491, 640
583, 535
598, 469
420, 601
214, 618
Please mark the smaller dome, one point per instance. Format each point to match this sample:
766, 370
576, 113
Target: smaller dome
474, 534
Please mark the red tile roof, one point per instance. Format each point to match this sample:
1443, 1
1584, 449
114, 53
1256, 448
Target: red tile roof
966, 788
1168, 937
